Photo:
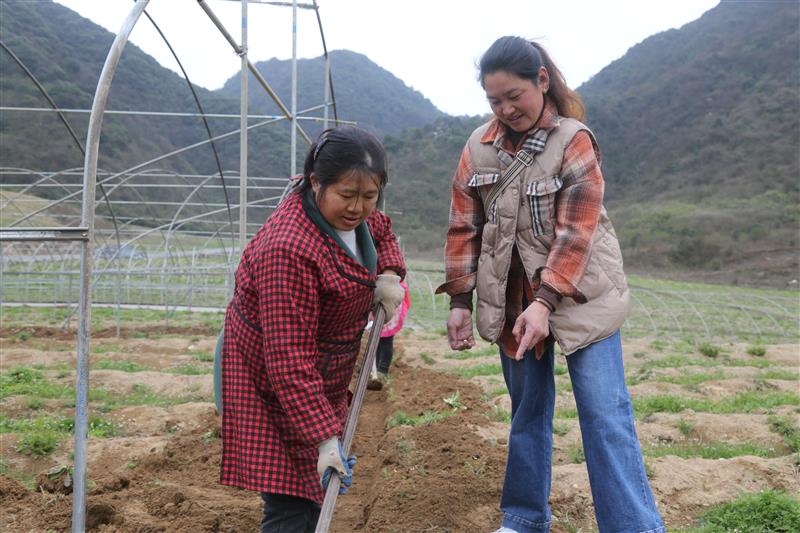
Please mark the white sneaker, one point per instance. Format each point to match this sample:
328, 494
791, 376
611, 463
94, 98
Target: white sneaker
505, 530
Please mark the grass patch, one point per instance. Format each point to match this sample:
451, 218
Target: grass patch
489, 369
680, 361
559, 370
746, 402
190, 370
576, 455
203, 357
400, 418
709, 350
472, 354
685, 427
499, 391
31, 382
788, 430
427, 358
570, 413
713, 450
561, 428
764, 512
141, 394
124, 366
501, 415
775, 373
757, 350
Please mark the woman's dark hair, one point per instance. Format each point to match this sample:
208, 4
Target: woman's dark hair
338, 151
523, 58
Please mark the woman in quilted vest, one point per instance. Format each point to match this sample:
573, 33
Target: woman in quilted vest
528, 233
304, 289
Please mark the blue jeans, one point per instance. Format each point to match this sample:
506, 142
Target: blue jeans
622, 497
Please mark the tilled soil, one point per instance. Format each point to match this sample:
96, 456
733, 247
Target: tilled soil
160, 472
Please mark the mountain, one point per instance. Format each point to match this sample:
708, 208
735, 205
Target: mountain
366, 93
699, 129
700, 133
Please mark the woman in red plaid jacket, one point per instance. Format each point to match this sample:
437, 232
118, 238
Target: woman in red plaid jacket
304, 289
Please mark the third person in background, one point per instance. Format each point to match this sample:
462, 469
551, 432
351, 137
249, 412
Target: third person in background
529, 233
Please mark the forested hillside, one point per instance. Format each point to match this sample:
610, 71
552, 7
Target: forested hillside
699, 128
700, 133
365, 92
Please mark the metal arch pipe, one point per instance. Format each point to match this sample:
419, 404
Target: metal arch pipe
329, 78
259, 78
199, 108
63, 120
145, 164
85, 300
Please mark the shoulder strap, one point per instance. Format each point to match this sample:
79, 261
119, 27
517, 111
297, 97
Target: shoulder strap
523, 159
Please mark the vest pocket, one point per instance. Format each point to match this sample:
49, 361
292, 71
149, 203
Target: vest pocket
483, 183
542, 204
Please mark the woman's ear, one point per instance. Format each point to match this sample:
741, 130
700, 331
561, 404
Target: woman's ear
314, 183
544, 79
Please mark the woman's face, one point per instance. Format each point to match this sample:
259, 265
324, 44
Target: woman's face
349, 201
515, 101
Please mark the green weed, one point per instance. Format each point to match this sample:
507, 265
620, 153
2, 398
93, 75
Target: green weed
685, 427
191, 370
29, 381
472, 354
709, 350
124, 366
475, 466
786, 428
576, 455
501, 415
559, 370
713, 450
203, 357
400, 418
757, 350
765, 512
427, 358
489, 369
39, 443
561, 428
745, 402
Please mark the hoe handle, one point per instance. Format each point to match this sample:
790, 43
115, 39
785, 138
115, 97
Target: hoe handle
331, 494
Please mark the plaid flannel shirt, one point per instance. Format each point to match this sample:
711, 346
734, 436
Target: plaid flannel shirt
578, 207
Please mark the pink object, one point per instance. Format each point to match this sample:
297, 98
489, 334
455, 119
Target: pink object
396, 323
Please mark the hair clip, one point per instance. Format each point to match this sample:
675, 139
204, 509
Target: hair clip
320, 144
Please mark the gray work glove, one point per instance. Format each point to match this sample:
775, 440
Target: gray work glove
389, 293
332, 459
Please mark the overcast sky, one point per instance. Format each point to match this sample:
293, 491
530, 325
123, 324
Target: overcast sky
432, 45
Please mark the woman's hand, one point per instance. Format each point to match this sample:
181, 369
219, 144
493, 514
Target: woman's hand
389, 293
459, 329
531, 327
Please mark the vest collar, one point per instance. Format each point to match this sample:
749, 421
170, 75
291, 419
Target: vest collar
496, 135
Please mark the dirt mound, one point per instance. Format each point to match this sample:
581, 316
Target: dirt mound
431, 448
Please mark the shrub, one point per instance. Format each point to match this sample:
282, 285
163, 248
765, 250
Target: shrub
756, 350
708, 349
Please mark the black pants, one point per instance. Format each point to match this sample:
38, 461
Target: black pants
288, 514
383, 357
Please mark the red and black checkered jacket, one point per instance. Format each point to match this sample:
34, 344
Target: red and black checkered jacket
292, 335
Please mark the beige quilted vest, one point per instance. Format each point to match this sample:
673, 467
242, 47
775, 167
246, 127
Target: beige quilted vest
524, 215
